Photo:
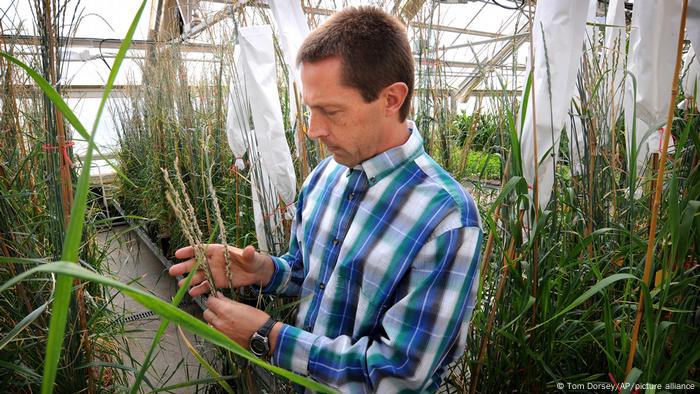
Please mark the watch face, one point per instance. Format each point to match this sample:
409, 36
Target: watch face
258, 345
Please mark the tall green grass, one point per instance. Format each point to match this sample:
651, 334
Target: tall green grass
591, 241
32, 216
66, 270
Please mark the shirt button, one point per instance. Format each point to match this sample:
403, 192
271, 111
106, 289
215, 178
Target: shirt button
372, 180
350, 196
335, 241
322, 286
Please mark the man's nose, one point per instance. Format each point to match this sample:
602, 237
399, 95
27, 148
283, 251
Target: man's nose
316, 127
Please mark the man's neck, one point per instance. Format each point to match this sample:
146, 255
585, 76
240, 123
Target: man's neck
397, 134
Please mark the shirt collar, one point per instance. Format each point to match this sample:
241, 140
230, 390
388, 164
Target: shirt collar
383, 164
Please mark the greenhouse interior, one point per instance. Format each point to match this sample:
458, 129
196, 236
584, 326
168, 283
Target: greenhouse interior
283, 196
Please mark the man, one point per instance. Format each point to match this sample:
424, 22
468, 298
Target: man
384, 250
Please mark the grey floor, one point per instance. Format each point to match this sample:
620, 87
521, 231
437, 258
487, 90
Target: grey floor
131, 262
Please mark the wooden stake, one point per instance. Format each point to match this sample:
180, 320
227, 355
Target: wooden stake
657, 194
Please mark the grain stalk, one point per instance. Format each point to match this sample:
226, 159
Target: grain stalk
217, 212
188, 221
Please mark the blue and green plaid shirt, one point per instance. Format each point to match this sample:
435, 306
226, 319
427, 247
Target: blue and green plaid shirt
385, 258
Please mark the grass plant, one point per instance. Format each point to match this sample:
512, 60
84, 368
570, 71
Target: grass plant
67, 270
589, 244
36, 181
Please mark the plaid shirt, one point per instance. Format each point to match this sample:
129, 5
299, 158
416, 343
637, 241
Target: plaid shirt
385, 258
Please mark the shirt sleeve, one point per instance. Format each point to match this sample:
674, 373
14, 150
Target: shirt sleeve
420, 334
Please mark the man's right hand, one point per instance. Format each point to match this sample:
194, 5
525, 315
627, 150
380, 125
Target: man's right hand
248, 267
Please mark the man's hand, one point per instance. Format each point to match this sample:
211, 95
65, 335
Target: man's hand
248, 267
238, 321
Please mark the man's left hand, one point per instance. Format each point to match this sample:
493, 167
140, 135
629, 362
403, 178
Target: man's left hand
238, 321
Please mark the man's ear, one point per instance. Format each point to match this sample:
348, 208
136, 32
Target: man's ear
394, 96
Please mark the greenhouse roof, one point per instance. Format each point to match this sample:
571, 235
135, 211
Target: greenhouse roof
463, 37
476, 47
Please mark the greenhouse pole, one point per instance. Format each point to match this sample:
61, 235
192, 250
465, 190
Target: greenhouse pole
657, 192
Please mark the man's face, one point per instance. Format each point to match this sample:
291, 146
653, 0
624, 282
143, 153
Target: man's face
347, 125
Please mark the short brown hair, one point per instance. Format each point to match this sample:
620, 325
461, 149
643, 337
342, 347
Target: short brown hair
373, 49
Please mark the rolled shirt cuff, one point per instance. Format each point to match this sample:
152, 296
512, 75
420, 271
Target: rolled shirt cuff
293, 349
278, 278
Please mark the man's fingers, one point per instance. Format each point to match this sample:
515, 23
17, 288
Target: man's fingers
200, 289
215, 303
181, 268
248, 254
188, 251
209, 316
197, 278
185, 253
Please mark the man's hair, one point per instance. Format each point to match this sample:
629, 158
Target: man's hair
373, 49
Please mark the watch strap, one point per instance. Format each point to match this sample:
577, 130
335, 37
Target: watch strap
267, 327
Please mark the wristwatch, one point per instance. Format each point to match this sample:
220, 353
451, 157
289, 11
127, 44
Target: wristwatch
259, 341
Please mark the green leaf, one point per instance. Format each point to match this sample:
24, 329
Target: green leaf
598, 287
22, 325
526, 307
509, 186
190, 383
161, 331
630, 380
213, 372
685, 228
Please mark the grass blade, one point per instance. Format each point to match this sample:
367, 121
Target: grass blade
22, 325
204, 362
602, 284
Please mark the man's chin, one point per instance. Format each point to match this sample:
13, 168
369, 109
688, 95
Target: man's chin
344, 161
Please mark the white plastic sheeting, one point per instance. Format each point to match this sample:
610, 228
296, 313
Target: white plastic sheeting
692, 23
291, 24
260, 74
253, 94
691, 65
690, 72
293, 29
613, 53
238, 112
558, 34
577, 143
651, 60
